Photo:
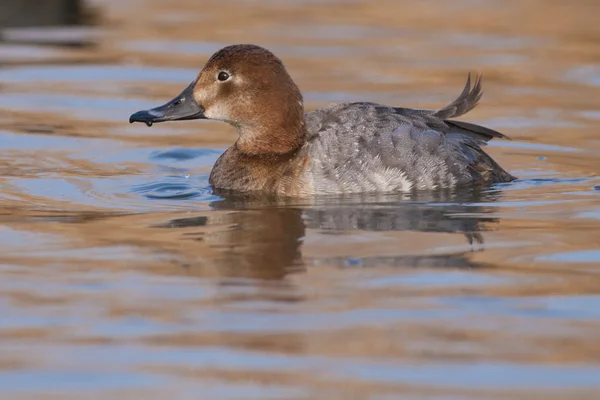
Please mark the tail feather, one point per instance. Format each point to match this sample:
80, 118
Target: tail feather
482, 131
465, 102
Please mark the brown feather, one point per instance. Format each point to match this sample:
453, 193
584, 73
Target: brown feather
465, 102
487, 133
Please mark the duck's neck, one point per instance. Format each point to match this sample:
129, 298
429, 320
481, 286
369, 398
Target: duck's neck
276, 136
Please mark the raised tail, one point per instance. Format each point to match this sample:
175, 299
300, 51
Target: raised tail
464, 103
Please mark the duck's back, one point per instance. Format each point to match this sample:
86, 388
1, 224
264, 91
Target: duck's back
368, 147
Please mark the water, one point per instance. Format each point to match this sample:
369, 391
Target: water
124, 276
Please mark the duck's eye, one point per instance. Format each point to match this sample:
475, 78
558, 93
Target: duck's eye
223, 76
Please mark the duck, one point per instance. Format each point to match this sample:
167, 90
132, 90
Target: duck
347, 148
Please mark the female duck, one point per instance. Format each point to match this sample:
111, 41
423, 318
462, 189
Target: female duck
344, 148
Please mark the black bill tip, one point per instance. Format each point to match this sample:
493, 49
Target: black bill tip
142, 116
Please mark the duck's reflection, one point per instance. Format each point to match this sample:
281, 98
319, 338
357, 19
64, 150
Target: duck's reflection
262, 238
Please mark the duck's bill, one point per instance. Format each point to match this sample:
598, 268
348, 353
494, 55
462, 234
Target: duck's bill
182, 107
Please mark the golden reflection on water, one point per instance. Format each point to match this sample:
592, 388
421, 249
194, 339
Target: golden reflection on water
125, 277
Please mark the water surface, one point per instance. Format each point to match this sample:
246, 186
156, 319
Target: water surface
125, 276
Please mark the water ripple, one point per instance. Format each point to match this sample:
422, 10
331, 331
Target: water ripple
174, 188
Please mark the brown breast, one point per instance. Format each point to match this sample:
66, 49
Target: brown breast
277, 174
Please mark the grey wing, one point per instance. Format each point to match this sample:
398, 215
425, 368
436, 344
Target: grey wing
362, 147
